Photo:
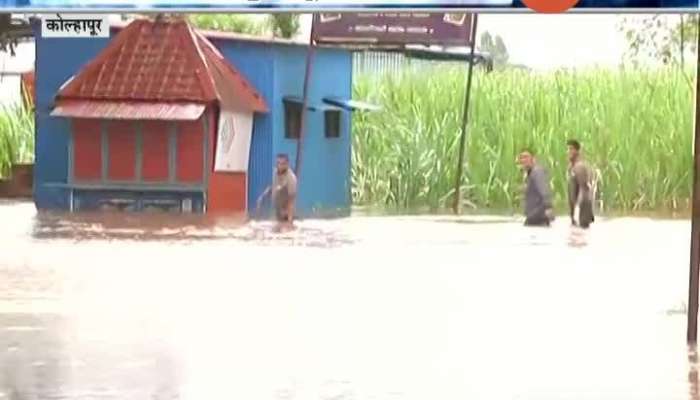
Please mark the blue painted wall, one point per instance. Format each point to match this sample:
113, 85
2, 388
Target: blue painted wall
56, 60
275, 70
324, 179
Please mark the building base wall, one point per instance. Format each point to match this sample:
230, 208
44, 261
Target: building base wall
123, 200
50, 197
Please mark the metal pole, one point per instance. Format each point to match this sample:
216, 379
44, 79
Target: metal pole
465, 121
305, 96
695, 222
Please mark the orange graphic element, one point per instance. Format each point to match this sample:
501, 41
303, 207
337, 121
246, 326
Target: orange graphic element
550, 6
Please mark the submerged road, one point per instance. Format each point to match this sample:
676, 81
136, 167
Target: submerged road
162, 307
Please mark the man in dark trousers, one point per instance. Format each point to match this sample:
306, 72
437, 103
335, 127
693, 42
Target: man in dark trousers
538, 196
580, 187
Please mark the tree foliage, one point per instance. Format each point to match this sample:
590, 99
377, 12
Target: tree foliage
495, 47
284, 25
12, 31
280, 25
239, 23
665, 39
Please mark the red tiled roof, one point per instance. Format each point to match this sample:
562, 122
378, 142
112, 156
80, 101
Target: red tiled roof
223, 75
160, 62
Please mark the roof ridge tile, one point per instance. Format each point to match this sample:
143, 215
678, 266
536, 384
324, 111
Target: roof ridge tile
146, 63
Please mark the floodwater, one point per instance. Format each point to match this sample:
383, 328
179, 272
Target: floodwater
165, 307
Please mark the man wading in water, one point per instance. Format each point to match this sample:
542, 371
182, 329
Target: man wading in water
580, 187
284, 191
538, 197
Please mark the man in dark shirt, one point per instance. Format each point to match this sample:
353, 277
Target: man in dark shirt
538, 196
580, 187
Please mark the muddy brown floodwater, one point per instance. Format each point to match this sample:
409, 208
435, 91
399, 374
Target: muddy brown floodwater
165, 307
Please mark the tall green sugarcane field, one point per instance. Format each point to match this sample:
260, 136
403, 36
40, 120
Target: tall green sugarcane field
636, 128
16, 137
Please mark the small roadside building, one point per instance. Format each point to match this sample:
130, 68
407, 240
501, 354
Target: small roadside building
161, 116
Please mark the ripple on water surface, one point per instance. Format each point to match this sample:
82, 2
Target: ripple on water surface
125, 306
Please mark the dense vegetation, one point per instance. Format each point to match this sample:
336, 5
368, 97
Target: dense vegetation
636, 127
16, 137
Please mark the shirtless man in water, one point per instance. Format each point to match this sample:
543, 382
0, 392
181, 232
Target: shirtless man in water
284, 191
580, 187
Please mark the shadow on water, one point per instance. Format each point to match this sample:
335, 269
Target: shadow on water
448, 298
176, 227
474, 220
164, 227
45, 356
122, 225
31, 351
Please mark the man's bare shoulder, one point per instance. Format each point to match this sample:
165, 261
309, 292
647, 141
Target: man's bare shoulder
291, 176
580, 167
